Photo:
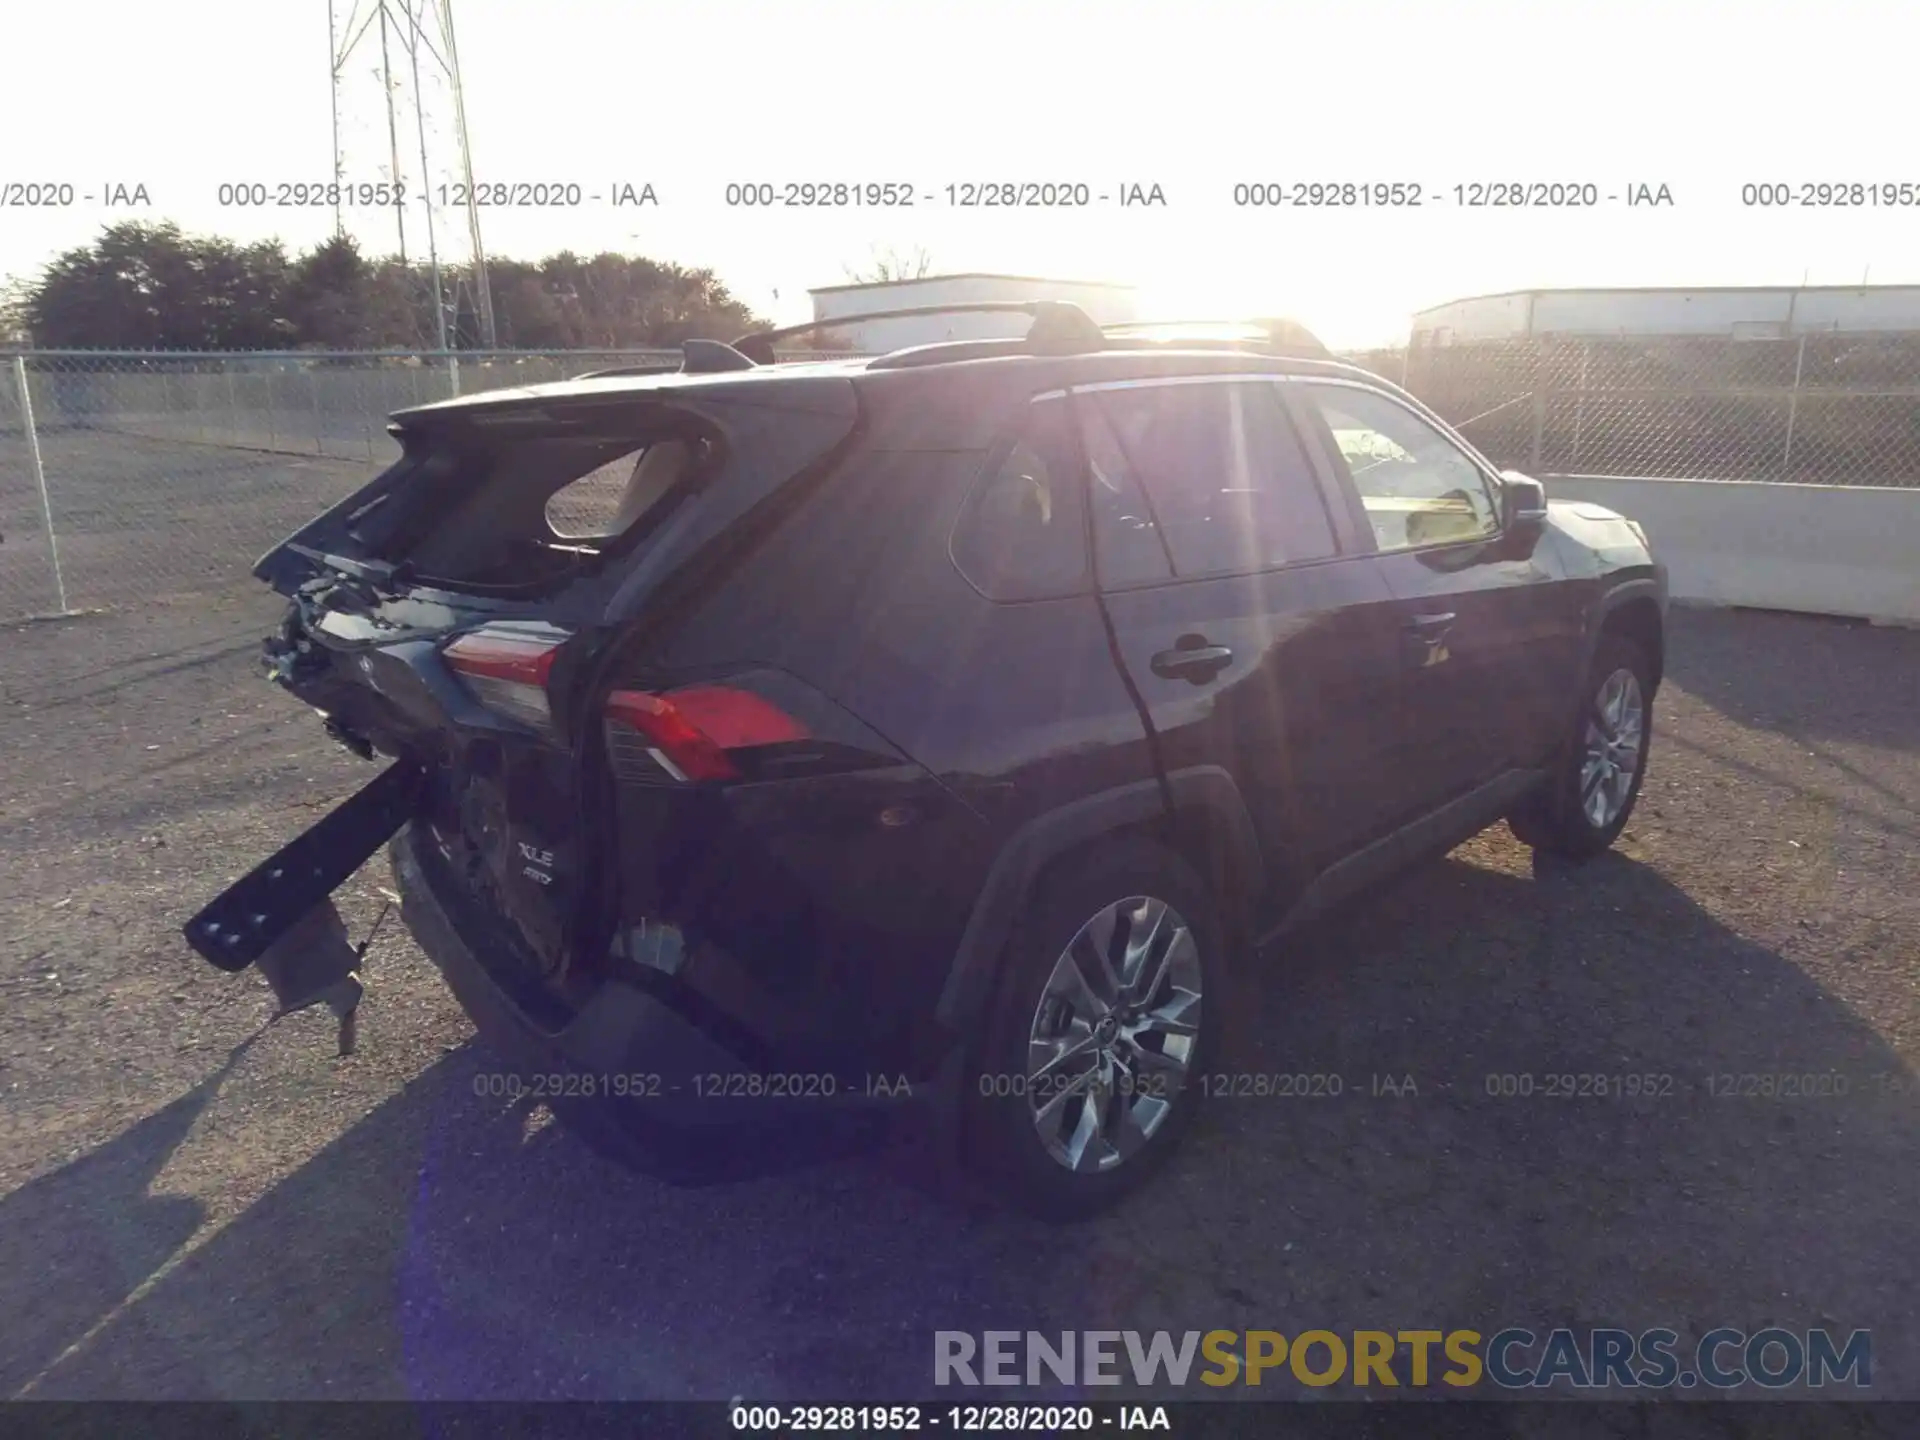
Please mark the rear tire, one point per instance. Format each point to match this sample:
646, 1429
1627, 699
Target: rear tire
1596, 781
1091, 1072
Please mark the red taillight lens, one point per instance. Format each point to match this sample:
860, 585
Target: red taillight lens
507, 669
690, 731
505, 655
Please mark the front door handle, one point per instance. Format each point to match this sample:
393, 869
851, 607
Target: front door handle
1432, 627
1193, 658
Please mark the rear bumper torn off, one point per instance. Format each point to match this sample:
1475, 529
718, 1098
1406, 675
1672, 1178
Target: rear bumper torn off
664, 1082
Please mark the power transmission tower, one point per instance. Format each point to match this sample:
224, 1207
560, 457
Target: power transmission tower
413, 29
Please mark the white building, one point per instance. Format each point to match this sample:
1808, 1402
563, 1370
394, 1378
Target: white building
1107, 304
1731, 312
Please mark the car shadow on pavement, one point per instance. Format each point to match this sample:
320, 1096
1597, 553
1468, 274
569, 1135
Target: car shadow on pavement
448, 1246
76, 1244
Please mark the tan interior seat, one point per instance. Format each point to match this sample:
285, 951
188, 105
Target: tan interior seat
658, 469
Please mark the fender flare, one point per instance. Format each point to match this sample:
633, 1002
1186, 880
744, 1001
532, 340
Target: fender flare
1644, 587
1640, 588
1202, 794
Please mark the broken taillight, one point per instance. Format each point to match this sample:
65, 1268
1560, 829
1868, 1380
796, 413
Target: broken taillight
506, 669
689, 732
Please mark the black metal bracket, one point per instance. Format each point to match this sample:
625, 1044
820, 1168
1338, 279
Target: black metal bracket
236, 928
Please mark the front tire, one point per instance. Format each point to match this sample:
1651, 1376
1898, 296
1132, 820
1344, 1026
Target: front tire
1596, 781
1101, 1028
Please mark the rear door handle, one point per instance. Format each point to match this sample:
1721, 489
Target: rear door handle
1192, 658
1427, 639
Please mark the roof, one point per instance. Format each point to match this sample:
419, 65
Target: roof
1667, 290
1117, 363
967, 275
1061, 333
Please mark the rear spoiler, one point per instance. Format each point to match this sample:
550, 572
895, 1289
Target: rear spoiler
698, 357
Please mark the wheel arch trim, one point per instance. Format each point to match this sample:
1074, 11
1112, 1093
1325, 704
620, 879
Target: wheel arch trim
1207, 793
1616, 598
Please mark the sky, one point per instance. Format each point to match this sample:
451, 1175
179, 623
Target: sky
689, 96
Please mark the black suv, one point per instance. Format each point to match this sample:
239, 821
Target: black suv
941, 734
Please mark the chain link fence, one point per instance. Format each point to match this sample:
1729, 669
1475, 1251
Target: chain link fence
1814, 409
131, 476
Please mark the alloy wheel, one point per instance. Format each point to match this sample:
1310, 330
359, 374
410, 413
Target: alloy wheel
1616, 731
1114, 1034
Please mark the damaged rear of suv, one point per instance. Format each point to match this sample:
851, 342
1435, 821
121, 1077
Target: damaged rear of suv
489, 615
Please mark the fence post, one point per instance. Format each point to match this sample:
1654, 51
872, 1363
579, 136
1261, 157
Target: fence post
453, 377
1793, 406
1580, 411
40, 478
313, 389
1539, 430
233, 401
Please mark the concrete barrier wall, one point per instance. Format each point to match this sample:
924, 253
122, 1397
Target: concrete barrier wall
1821, 549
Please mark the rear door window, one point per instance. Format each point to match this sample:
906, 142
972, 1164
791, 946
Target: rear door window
1022, 535
1125, 536
1228, 482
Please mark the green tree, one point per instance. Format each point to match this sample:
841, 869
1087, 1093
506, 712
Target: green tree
13, 312
326, 296
151, 287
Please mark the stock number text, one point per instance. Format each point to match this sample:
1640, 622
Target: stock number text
1328, 194
1578, 1086
1832, 194
820, 194
299, 194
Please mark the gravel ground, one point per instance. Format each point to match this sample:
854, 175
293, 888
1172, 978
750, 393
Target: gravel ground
190, 1207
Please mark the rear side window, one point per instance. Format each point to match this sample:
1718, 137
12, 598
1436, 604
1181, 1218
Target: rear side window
1229, 483
1022, 535
607, 499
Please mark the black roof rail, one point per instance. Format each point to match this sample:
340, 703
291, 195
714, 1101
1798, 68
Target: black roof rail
946, 352
1059, 326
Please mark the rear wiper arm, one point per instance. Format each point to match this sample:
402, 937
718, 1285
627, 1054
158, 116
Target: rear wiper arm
393, 580
349, 594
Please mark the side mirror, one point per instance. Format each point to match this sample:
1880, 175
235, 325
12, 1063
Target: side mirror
1526, 501
1523, 501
